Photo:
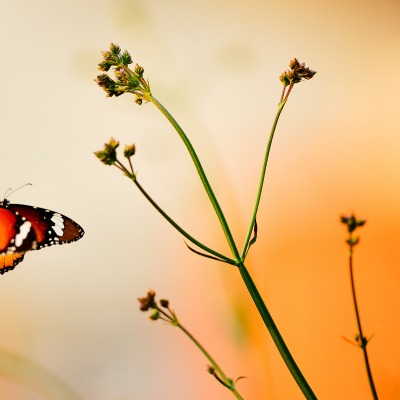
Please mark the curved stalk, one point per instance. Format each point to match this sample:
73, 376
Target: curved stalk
225, 380
179, 229
262, 179
362, 339
258, 301
202, 176
170, 317
133, 81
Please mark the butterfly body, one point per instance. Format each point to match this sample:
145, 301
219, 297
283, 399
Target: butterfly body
24, 228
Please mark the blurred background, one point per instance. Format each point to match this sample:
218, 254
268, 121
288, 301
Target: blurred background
70, 324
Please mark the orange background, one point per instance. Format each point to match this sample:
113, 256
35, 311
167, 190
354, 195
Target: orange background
71, 328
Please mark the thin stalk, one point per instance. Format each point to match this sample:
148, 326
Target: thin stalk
275, 334
226, 381
362, 339
259, 302
179, 228
202, 175
171, 318
262, 179
142, 91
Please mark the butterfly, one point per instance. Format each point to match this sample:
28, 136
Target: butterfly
24, 228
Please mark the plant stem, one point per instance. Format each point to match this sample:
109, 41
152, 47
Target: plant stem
226, 381
262, 309
202, 175
362, 340
178, 228
262, 179
275, 334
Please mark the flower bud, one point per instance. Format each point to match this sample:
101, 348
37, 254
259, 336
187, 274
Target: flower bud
129, 150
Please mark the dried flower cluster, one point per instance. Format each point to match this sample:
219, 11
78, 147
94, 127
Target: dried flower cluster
297, 73
108, 156
352, 224
126, 80
161, 311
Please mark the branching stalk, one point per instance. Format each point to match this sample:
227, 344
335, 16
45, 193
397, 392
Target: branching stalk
362, 340
353, 224
262, 179
179, 228
162, 310
259, 302
202, 175
132, 81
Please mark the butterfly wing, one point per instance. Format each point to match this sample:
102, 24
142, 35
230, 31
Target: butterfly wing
24, 228
50, 227
16, 237
16, 232
9, 261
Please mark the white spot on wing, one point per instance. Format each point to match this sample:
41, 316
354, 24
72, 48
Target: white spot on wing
58, 222
23, 233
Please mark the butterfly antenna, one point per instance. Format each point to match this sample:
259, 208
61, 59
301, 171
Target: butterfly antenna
9, 191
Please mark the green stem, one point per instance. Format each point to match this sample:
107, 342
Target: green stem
275, 334
259, 302
227, 382
262, 179
178, 228
202, 175
267, 318
362, 340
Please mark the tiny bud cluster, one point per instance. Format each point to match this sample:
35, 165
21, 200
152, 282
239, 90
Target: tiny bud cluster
108, 156
126, 80
352, 222
165, 313
148, 302
114, 58
297, 73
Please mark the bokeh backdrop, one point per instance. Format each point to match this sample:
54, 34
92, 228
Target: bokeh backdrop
70, 324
